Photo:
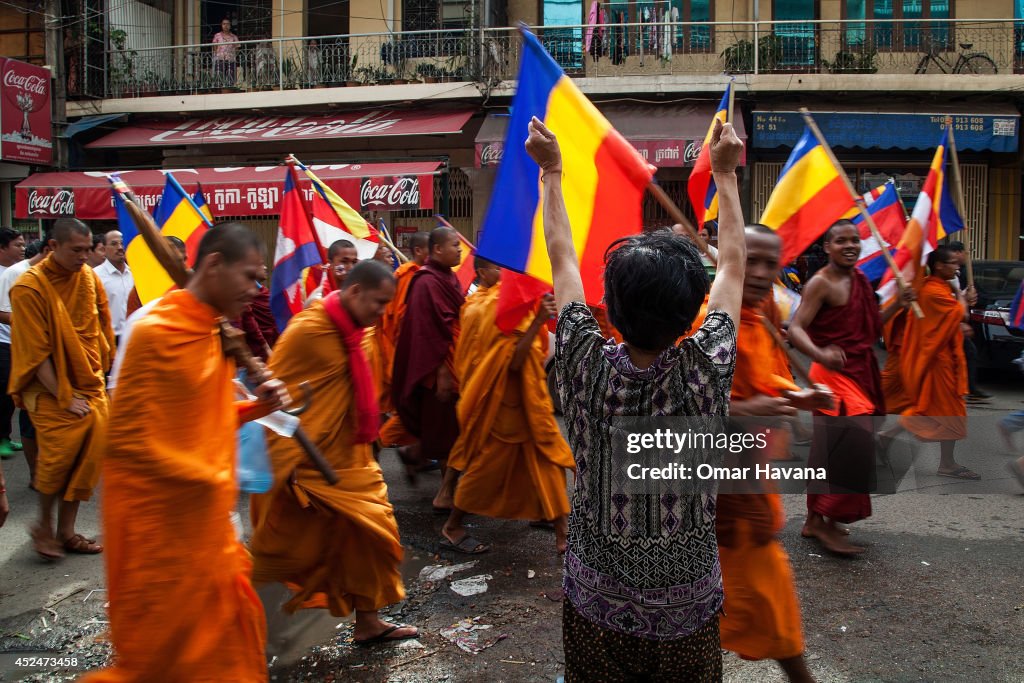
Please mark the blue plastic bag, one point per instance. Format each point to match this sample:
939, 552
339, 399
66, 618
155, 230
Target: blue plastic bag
254, 473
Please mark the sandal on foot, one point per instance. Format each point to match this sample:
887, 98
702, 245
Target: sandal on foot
961, 473
542, 524
467, 545
45, 545
81, 545
382, 637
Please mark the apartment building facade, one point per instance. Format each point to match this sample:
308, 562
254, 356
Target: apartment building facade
402, 103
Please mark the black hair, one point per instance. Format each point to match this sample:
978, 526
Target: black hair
941, 253
337, 246
419, 240
842, 222
439, 236
480, 262
230, 239
33, 248
63, 228
654, 285
761, 229
955, 246
98, 240
8, 235
369, 274
174, 241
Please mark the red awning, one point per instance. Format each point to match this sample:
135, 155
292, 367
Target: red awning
239, 191
666, 135
358, 124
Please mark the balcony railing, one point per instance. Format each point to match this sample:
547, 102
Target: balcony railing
637, 49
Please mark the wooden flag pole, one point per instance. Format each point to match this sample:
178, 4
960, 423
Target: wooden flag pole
958, 198
676, 214
232, 343
444, 223
858, 200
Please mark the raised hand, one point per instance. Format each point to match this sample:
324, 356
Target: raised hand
726, 149
542, 146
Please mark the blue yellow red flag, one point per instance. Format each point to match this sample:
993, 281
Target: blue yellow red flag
177, 216
603, 184
700, 188
809, 196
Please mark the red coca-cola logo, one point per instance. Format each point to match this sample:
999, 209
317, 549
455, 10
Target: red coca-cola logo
27, 82
55, 203
491, 154
402, 193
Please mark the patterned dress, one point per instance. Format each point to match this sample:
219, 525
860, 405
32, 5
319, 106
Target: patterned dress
643, 566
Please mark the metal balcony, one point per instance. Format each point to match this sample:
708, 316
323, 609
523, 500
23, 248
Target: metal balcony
490, 56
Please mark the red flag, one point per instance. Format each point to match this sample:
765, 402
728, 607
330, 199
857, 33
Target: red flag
517, 298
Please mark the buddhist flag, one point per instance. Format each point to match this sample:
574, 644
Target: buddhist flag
934, 216
335, 220
701, 186
603, 184
177, 216
809, 196
296, 250
517, 298
200, 201
886, 209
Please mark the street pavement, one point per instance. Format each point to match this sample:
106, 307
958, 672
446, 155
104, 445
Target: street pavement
937, 596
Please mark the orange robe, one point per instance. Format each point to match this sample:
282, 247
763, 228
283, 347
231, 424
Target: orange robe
62, 315
896, 398
510, 452
182, 607
761, 614
933, 367
336, 546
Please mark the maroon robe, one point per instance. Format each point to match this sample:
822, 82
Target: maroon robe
426, 341
845, 446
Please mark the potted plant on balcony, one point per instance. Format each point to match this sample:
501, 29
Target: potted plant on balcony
428, 73
739, 58
351, 72
859, 62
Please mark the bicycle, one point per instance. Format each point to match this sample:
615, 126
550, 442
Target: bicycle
966, 63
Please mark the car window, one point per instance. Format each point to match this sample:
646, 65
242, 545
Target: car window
998, 280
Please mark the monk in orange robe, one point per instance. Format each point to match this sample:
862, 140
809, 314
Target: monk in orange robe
182, 607
761, 616
393, 433
933, 367
335, 547
837, 326
61, 344
510, 453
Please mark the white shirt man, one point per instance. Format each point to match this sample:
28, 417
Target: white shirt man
117, 279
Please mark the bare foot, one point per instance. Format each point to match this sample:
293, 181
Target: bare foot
830, 537
45, 543
1007, 437
561, 535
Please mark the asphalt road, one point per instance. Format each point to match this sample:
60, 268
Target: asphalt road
938, 596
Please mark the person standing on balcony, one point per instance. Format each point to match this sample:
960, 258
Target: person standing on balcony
225, 51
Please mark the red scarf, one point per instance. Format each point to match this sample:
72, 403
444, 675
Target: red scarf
367, 410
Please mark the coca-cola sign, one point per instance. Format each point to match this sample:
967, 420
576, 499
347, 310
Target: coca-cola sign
50, 203
489, 154
387, 194
25, 126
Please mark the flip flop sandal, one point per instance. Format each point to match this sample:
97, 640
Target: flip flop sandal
81, 545
961, 473
467, 546
382, 637
543, 524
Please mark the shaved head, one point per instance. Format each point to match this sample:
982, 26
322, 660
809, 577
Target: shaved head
64, 228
